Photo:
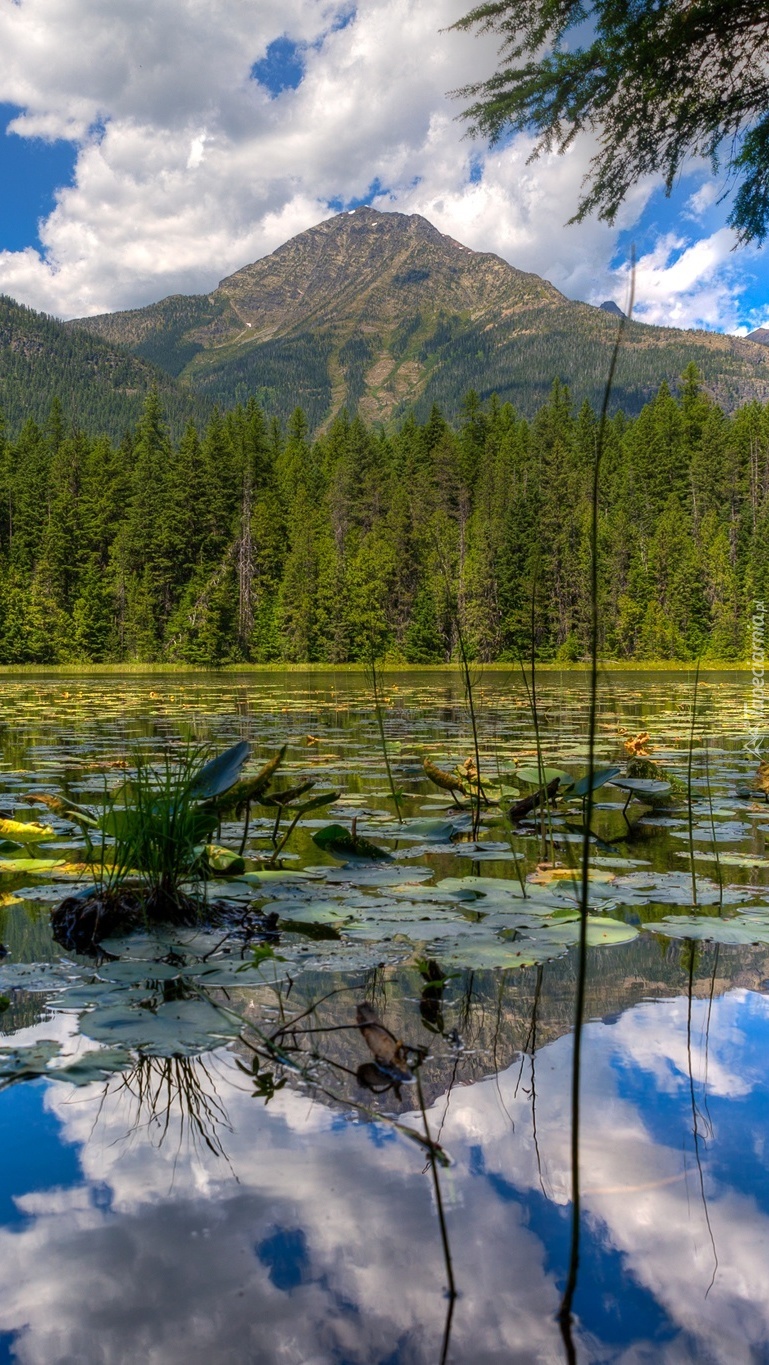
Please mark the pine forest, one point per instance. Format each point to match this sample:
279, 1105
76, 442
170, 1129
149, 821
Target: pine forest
247, 542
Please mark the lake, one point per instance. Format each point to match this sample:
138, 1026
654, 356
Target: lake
206, 1158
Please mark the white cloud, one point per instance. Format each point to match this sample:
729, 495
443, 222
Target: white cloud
187, 169
688, 284
170, 1257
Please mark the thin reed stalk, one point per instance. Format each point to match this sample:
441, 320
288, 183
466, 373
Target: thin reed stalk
565, 1312
689, 816
479, 795
372, 677
452, 1288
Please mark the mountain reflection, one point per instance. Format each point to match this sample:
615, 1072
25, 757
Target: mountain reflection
316, 1241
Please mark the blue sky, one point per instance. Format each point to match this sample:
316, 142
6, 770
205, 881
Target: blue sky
150, 147
31, 171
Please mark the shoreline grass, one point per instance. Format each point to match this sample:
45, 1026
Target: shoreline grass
384, 666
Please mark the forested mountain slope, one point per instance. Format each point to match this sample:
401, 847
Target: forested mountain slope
99, 385
379, 312
241, 543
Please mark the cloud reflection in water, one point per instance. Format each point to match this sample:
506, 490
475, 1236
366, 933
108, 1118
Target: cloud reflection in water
315, 1245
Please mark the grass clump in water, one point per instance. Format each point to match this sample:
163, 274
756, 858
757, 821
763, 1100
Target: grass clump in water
150, 846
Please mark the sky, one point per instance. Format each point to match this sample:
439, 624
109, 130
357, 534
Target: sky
152, 147
176, 1255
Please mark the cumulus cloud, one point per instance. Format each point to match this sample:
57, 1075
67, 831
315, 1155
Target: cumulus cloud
313, 1243
188, 167
680, 283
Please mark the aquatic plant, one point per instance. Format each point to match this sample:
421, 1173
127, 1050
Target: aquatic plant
290, 801
397, 796
152, 857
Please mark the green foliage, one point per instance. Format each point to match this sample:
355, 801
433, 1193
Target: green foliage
239, 542
159, 825
99, 387
657, 83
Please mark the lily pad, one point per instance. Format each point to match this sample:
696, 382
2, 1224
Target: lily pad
572, 875
94, 1065
272, 874
728, 859
181, 1028
32, 867
23, 1063
26, 834
674, 888
645, 789
711, 929
432, 831
495, 954
341, 842
224, 861
221, 773
601, 931
542, 777
592, 781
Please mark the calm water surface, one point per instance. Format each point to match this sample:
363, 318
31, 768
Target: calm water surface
183, 1211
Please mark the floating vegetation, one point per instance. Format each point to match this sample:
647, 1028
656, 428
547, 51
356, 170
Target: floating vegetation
194, 882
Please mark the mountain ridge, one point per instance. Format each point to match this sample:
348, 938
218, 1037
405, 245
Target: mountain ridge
380, 311
98, 384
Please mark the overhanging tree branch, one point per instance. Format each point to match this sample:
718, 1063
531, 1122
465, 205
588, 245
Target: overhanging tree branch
657, 83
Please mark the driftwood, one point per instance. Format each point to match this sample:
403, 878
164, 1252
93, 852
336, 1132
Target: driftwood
530, 803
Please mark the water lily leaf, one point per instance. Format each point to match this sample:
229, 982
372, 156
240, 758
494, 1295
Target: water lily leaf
728, 859
25, 834
491, 953
413, 924
92, 1066
287, 797
223, 860
220, 773
32, 866
542, 777
464, 897
322, 913
341, 842
235, 800
644, 788
273, 874
483, 885
712, 929
316, 802
68, 810
139, 973
673, 888
24, 1063
95, 993
358, 874
181, 1028
601, 931
546, 876
433, 831
592, 781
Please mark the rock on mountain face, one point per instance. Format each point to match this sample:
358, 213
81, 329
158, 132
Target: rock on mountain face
761, 335
378, 311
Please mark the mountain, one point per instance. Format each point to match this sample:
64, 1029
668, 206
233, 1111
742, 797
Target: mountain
609, 306
380, 311
761, 335
101, 386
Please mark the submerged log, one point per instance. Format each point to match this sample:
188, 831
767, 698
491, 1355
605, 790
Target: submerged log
530, 803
